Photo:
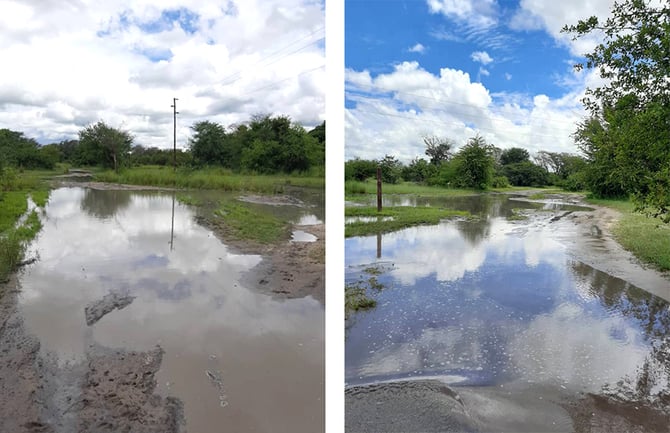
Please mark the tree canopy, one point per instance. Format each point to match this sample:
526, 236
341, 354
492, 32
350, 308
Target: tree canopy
627, 138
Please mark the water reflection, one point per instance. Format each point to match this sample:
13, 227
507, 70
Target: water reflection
492, 301
188, 298
104, 204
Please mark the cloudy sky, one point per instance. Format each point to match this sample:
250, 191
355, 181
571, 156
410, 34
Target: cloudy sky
69, 63
455, 68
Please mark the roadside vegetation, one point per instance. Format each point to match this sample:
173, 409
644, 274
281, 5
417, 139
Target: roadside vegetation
647, 238
14, 237
243, 222
393, 218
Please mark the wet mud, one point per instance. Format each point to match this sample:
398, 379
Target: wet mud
432, 406
110, 302
111, 391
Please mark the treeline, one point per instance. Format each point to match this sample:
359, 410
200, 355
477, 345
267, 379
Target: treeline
477, 165
265, 144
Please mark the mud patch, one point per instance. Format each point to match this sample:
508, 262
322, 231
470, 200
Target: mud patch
273, 200
110, 302
112, 391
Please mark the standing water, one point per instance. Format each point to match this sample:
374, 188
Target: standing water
498, 300
239, 360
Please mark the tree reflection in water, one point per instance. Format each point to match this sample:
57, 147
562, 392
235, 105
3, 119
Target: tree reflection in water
651, 383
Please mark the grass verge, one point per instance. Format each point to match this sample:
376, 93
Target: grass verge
356, 189
647, 238
394, 218
247, 224
207, 178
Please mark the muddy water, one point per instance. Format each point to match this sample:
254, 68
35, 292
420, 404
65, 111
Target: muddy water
239, 360
494, 302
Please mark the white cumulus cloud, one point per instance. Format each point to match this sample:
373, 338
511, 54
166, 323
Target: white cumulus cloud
74, 63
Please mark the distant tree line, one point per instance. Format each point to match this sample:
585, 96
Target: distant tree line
477, 165
265, 144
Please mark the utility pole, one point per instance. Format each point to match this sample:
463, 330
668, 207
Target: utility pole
174, 122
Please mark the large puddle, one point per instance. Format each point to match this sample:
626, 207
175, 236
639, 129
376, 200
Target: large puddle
238, 359
495, 301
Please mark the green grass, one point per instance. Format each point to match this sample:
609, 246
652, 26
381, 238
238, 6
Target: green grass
647, 238
188, 199
517, 215
13, 204
15, 187
247, 224
207, 178
403, 216
353, 188
356, 299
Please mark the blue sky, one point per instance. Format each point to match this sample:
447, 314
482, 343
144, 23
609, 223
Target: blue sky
455, 68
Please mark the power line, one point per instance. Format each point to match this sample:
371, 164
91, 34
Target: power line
285, 79
238, 75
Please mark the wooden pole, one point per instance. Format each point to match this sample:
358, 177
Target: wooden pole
379, 189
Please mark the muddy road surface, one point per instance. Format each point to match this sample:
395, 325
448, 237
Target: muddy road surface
135, 318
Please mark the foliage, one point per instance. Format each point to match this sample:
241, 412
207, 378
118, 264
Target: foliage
438, 149
526, 174
514, 155
140, 155
418, 170
391, 169
633, 57
19, 151
474, 165
360, 169
207, 178
105, 145
626, 139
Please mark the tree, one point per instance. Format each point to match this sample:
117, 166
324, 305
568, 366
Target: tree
20, 151
634, 56
526, 174
360, 169
514, 155
474, 164
391, 169
207, 143
418, 170
630, 153
102, 144
438, 148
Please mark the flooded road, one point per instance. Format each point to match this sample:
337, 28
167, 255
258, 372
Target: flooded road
502, 302
238, 360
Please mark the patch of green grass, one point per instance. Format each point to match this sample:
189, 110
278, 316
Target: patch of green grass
13, 204
188, 199
12, 249
402, 217
517, 215
29, 229
40, 197
647, 238
356, 299
537, 196
251, 224
207, 178
354, 188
